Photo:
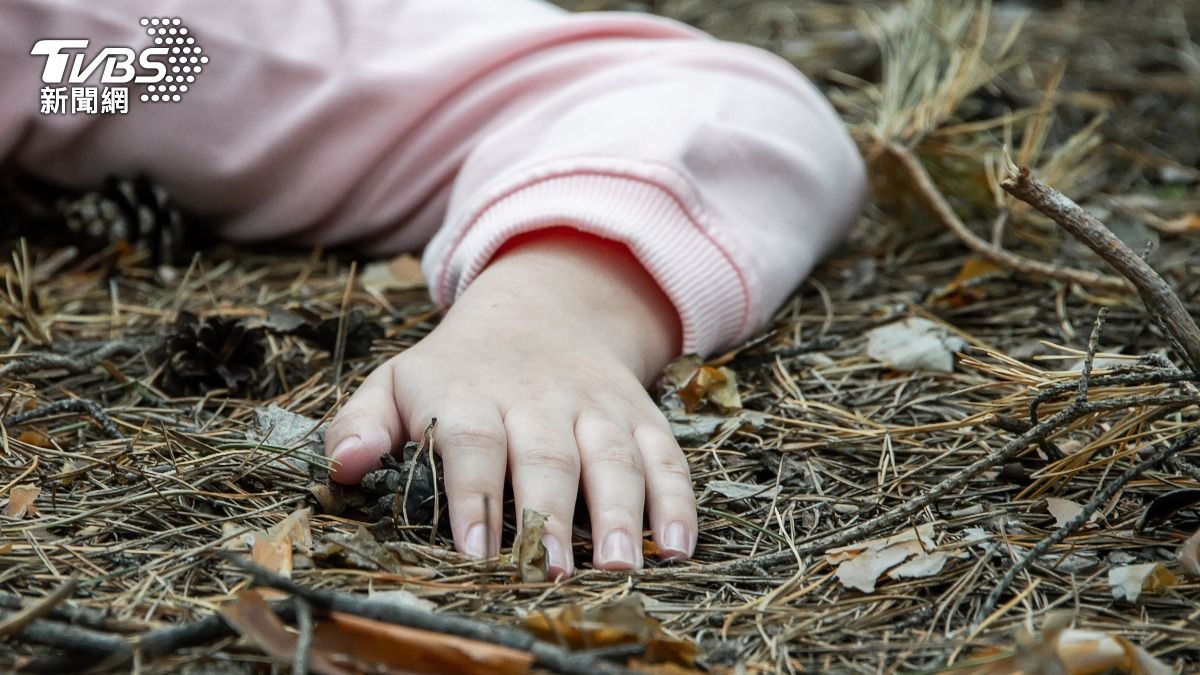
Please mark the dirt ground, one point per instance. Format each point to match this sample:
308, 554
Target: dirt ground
1029, 484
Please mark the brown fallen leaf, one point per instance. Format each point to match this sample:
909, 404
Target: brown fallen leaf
273, 555
967, 286
20, 501
624, 621
1060, 650
698, 384
401, 273
529, 553
294, 530
859, 566
1130, 581
34, 437
251, 617
374, 646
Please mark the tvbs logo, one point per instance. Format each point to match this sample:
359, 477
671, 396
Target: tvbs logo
167, 69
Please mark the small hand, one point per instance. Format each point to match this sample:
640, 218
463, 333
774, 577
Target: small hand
539, 369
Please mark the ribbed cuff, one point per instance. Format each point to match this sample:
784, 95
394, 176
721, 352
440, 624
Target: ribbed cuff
649, 208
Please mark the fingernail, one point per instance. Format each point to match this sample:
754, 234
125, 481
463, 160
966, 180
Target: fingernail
475, 543
348, 443
556, 556
618, 550
676, 542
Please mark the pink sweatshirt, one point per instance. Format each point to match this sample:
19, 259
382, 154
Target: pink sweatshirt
455, 124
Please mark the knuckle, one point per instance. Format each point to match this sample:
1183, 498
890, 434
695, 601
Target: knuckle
547, 459
673, 467
616, 456
472, 436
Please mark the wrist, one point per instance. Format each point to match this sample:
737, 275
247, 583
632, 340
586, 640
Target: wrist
586, 284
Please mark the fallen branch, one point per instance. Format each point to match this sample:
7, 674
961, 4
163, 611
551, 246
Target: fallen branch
13, 623
937, 203
72, 364
78, 405
545, 654
1162, 304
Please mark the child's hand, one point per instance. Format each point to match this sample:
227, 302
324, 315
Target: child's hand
539, 367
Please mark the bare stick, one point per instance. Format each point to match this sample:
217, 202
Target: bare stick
1162, 304
937, 203
77, 405
545, 654
72, 364
13, 623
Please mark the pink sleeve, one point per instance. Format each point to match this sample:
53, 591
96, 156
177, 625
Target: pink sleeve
460, 123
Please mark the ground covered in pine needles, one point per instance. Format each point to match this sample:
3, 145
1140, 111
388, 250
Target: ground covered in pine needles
943, 456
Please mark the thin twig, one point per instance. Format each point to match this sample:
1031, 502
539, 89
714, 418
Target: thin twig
937, 203
72, 364
1162, 304
1063, 531
304, 629
76, 405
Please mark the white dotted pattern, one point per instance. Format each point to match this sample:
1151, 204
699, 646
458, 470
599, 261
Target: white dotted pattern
186, 58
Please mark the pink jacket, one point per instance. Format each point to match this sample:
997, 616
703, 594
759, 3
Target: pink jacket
453, 125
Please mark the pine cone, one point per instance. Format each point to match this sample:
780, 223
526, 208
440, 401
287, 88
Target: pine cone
218, 352
133, 210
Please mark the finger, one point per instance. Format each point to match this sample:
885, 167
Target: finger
366, 428
612, 476
669, 494
471, 441
544, 463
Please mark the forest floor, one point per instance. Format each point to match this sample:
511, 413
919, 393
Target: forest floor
933, 461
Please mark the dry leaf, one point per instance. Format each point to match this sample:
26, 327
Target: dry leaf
35, 438
253, 619
966, 288
1131, 581
914, 344
1189, 555
622, 622
528, 553
921, 566
860, 565
1064, 510
363, 551
294, 530
698, 384
863, 570
401, 598
20, 501
375, 646
1067, 651
402, 273
275, 556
